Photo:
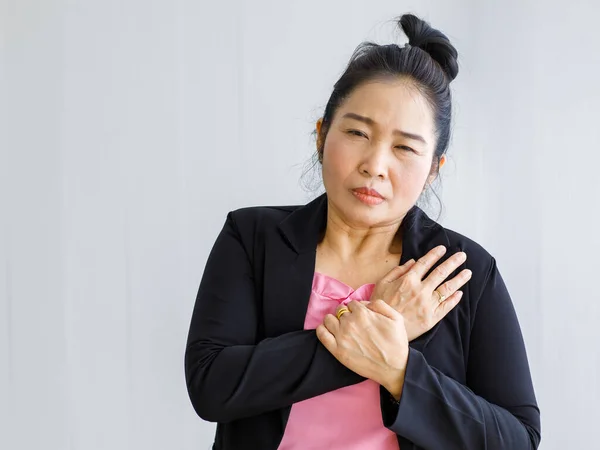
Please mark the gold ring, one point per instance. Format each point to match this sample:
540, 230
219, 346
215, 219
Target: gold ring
341, 312
442, 296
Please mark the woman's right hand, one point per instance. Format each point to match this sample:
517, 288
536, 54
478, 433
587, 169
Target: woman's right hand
417, 299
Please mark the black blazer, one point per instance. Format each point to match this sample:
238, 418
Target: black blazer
248, 358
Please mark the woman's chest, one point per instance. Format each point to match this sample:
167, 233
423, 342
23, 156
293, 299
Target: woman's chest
445, 346
285, 282
354, 272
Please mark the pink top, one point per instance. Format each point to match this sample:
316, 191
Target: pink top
348, 418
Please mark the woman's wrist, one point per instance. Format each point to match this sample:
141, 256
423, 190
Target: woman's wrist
394, 380
395, 384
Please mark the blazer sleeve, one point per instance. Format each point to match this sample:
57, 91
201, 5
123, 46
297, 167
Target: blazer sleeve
229, 374
496, 410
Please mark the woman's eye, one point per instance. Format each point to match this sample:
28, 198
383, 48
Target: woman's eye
405, 148
356, 133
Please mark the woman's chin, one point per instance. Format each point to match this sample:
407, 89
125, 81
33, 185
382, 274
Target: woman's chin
366, 218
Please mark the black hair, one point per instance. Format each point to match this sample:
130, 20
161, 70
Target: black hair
429, 61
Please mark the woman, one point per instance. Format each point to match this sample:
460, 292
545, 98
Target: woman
355, 321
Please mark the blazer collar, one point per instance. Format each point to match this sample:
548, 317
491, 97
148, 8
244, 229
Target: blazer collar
303, 228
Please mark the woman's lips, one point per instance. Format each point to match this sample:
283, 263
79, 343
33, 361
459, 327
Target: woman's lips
368, 196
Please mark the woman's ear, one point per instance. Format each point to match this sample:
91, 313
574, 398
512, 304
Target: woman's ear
434, 174
319, 124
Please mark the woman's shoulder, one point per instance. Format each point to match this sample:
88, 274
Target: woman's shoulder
468, 245
252, 216
255, 222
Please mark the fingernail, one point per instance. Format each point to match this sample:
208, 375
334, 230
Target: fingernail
441, 249
468, 273
460, 294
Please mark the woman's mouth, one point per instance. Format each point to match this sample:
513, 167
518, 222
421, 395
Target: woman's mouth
368, 196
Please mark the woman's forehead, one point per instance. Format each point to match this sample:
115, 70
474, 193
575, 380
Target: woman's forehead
389, 104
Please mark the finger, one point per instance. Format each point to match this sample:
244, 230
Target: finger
407, 265
443, 271
332, 324
327, 339
447, 305
381, 307
424, 264
450, 287
356, 307
398, 271
339, 308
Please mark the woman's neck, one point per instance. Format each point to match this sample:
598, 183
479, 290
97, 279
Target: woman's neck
352, 244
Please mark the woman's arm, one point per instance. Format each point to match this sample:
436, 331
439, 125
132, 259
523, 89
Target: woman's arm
496, 410
230, 376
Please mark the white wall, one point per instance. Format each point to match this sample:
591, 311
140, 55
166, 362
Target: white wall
538, 85
129, 128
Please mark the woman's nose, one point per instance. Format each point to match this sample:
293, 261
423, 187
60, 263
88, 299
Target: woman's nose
374, 164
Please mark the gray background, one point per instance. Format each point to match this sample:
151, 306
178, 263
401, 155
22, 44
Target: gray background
130, 127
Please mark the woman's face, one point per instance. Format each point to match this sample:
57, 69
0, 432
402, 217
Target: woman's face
378, 154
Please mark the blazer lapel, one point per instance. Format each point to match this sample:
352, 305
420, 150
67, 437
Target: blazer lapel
289, 267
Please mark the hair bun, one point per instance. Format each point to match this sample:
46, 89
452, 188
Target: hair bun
421, 34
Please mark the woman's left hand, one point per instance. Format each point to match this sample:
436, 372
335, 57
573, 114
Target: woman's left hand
371, 342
